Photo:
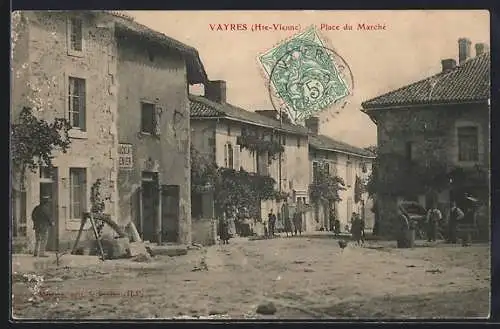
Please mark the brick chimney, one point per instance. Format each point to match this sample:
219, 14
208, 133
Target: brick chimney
481, 48
464, 50
448, 64
269, 113
312, 124
216, 91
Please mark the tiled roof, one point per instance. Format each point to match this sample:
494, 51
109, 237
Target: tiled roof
195, 69
322, 142
468, 82
202, 107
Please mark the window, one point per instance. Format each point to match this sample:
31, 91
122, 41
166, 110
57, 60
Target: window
326, 168
147, 118
77, 103
78, 192
283, 139
75, 34
468, 149
409, 151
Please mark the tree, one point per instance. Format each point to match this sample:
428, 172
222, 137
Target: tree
326, 187
33, 141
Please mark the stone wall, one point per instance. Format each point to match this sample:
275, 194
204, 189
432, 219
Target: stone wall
44, 63
155, 75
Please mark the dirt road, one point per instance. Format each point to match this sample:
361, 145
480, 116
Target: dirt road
303, 277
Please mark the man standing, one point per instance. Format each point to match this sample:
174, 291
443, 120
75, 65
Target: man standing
433, 219
456, 215
285, 211
41, 223
272, 223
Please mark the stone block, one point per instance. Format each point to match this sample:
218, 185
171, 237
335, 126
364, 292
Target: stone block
118, 248
137, 248
169, 250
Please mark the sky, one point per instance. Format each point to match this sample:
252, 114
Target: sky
410, 47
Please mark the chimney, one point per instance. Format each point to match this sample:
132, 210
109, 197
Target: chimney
312, 124
464, 49
216, 91
481, 48
269, 113
448, 64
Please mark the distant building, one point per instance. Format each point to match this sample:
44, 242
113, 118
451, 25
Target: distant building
348, 162
435, 132
216, 129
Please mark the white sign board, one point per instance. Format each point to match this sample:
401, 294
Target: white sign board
125, 158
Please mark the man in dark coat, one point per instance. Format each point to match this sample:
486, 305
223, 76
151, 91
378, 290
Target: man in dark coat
41, 224
404, 226
456, 215
285, 211
272, 223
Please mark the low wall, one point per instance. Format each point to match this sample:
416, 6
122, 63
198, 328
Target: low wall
204, 231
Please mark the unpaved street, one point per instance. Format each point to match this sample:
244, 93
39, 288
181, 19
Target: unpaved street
304, 278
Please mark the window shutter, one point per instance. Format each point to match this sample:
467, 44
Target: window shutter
236, 151
156, 120
225, 155
284, 173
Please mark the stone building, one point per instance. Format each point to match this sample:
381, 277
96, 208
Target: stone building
60, 69
124, 88
433, 136
216, 131
352, 164
153, 74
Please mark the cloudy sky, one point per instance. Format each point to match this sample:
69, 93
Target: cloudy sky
409, 48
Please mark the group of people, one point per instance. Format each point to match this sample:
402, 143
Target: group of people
434, 222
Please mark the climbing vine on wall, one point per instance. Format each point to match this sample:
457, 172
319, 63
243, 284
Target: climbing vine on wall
259, 145
233, 189
97, 204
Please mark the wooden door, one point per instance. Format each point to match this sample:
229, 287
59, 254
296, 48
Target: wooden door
170, 212
49, 188
149, 207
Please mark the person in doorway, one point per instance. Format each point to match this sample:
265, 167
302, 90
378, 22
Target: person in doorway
433, 219
456, 215
271, 218
41, 224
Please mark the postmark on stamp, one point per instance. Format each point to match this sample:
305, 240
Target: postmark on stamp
306, 76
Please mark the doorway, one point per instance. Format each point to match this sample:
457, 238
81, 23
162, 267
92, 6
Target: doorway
150, 197
170, 212
49, 189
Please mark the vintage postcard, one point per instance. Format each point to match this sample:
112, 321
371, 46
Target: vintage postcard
250, 165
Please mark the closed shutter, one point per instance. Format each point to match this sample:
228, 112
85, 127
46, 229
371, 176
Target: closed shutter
156, 122
284, 173
237, 157
225, 155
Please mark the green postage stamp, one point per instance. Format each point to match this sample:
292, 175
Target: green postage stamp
306, 75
